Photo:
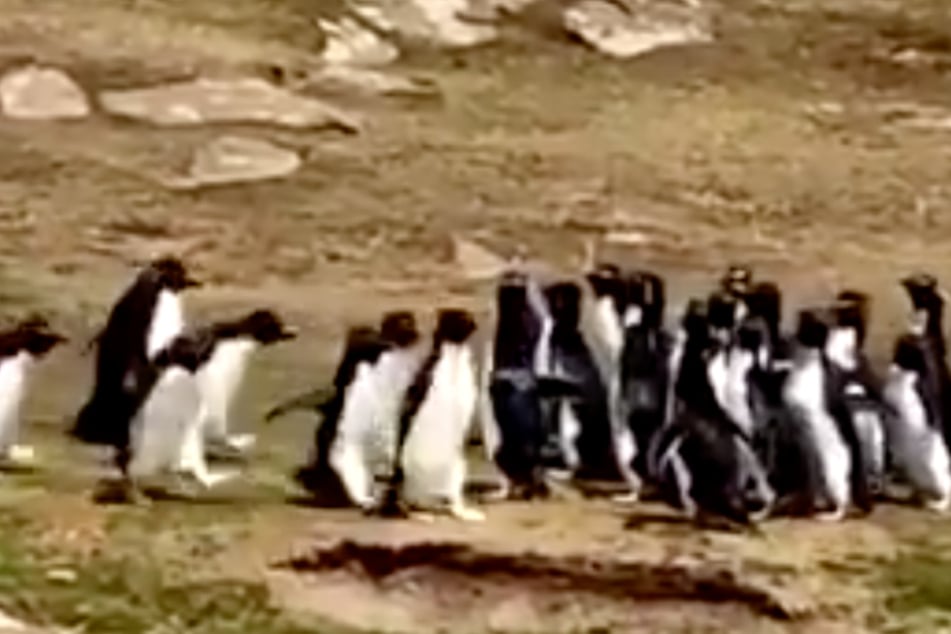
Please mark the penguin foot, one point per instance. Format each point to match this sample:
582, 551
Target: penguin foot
836, 515
422, 516
467, 514
18, 457
631, 497
241, 442
939, 505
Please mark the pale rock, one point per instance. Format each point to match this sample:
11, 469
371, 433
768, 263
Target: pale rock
235, 159
35, 92
352, 44
476, 261
439, 22
248, 100
626, 30
367, 81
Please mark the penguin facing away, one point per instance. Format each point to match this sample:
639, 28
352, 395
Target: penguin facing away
512, 412
233, 343
20, 348
914, 434
226, 349
144, 321
431, 464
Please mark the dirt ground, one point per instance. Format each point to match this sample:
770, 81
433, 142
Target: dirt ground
795, 142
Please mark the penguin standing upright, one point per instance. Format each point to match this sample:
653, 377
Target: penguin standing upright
810, 395
586, 421
430, 471
144, 321
644, 373
20, 349
915, 433
607, 328
512, 411
703, 462
232, 344
346, 411
167, 399
927, 302
227, 347
861, 389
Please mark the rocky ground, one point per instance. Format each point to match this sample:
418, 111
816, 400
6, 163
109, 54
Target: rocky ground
334, 159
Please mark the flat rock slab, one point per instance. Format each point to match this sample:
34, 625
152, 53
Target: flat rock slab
350, 43
35, 92
368, 81
439, 22
626, 30
235, 159
203, 101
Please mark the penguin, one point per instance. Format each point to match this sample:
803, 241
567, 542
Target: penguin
915, 432
20, 349
813, 402
927, 301
609, 290
644, 372
862, 391
353, 381
704, 465
146, 319
227, 346
736, 284
587, 424
430, 469
166, 400
512, 412
393, 374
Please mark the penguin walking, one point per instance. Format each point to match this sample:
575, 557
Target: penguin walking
20, 349
336, 473
167, 399
512, 410
862, 391
643, 374
915, 432
814, 403
431, 468
703, 462
228, 347
586, 422
144, 321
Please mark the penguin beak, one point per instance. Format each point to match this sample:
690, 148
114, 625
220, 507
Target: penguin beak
191, 282
289, 332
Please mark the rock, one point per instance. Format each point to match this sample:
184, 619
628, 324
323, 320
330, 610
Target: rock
348, 79
34, 92
352, 44
235, 159
439, 22
626, 30
248, 100
62, 575
476, 261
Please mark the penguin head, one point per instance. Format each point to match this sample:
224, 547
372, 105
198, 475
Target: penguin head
737, 280
183, 352
765, 301
265, 327
32, 335
172, 275
927, 301
564, 301
606, 281
645, 295
812, 331
909, 355
454, 325
399, 328
851, 310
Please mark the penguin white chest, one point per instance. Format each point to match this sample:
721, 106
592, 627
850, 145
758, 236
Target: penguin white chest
607, 327
14, 372
393, 374
842, 347
221, 377
735, 388
168, 321
434, 447
349, 451
805, 396
160, 424
919, 449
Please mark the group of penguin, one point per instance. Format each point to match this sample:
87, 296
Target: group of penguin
725, 415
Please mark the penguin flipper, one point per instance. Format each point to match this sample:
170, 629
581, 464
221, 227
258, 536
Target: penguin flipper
312, 400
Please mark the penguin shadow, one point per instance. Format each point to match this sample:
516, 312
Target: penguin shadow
112, 491
644, 520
